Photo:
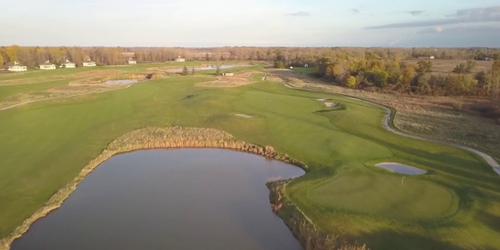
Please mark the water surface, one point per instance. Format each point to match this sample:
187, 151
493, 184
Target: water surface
401, 168
170, 199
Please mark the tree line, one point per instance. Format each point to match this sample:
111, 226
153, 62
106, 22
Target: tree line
368, 68
391, 71
32, 56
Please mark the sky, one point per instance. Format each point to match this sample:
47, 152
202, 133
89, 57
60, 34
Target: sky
203, 23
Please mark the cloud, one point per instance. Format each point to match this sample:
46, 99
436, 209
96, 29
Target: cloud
299, 14
477, 15
355, 11
483, 29
416, 12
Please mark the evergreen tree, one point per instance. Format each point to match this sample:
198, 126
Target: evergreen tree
185, 71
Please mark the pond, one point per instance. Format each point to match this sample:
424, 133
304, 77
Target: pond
170, 199
120, 82
401, 168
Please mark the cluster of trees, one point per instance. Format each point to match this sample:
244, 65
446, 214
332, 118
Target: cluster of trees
186, 71
372, 72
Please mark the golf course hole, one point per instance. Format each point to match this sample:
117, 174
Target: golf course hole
400, 168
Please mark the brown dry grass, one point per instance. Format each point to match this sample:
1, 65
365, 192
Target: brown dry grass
240, 79
56, 93
82, 83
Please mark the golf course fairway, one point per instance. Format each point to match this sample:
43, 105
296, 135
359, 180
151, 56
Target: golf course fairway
455, 205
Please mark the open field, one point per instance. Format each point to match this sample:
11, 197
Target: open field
33, 86
45, 144
446, 66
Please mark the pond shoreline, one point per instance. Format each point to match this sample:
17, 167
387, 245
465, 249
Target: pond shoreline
151, 138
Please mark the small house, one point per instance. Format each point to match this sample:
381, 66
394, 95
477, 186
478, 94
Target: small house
180, 59
69, 65
17, 67
132, 61
47, 66
227, 74
89, 63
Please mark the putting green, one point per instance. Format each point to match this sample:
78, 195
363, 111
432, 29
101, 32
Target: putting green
409, 199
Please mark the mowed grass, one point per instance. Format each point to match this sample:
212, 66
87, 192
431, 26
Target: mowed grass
457, 205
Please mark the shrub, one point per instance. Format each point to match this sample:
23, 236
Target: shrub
352, 82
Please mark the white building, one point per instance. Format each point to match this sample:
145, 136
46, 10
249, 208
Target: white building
132, 61
17, 68
69, 65
89, 63
227, 74
47, 66
180, 59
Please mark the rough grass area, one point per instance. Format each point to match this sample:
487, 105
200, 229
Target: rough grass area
44, 145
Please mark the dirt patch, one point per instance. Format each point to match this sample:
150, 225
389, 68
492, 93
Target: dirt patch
237, 80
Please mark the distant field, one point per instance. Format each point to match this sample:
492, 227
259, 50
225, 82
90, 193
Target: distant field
45, 144
447, 66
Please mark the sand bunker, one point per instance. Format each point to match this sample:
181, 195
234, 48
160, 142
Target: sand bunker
243, 116
399, 168
331, 105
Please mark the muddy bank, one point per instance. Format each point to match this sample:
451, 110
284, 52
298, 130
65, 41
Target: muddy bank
149, 138
308, 234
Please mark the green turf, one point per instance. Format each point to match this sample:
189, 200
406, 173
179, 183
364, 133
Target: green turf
457, 205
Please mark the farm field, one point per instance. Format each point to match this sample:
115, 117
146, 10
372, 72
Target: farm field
456, 205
